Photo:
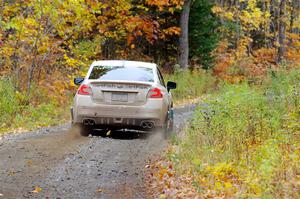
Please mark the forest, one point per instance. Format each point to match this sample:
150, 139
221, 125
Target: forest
239, 58
57, 40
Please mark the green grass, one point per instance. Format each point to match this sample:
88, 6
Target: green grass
16, 114
191, 85
244, 141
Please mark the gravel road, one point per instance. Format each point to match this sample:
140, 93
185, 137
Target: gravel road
66, 165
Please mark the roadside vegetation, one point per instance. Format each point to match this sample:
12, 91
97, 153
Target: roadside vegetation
191, 85
18, 115
243, 142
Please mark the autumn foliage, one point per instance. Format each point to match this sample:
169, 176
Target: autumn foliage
243, 142
49, 42
256, 36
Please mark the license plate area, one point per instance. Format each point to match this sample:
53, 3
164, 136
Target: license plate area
119, 97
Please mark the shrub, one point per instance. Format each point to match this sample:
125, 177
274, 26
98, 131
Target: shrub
244, 141
191, 84
16, 111
9, 105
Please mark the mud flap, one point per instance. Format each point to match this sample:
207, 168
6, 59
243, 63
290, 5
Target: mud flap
171, 114
171, 120
72, 115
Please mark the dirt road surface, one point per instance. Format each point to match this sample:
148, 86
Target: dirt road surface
59, 163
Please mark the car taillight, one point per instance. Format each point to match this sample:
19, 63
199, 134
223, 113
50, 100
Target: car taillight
84, 90
155, 93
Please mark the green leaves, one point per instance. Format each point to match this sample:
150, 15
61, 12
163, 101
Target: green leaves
244, 140
203, 33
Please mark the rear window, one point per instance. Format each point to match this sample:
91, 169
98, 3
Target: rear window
122, 73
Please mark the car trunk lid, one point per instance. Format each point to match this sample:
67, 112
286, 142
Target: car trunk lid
121, 92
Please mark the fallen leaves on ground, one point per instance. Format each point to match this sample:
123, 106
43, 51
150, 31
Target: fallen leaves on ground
164, 182
11, 173
29, 163
99, 190
37, 189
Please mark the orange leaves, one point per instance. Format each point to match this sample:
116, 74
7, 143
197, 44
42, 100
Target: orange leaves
163, 183
37, 189
236, 65
137, 26
223, 59
265, 55
172, 31
99, 190
162, 4
293, 51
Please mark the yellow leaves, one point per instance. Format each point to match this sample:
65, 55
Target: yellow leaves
37, 189
252, 4
228, 16
71, 62
217, 9
222, 171
172, 31
276, 44
297, 23
197, 161
251, 19
171, 5
71, 83
31, 23
171, 10
227, 185
251, 16
267, 15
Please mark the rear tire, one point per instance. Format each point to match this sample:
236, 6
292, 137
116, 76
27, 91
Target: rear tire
167, 129
169, 124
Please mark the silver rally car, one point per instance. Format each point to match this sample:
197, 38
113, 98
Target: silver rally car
123, 95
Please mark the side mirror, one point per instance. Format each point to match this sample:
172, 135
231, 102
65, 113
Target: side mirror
78, 80
171, 85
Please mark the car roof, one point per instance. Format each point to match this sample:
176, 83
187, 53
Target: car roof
124, 63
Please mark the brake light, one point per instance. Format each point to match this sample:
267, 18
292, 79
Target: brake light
155, 93
84, 90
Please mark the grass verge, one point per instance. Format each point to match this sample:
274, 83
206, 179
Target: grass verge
191, 85
18, 115
243, 142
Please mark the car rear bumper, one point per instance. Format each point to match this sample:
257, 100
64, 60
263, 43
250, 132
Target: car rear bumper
120, 115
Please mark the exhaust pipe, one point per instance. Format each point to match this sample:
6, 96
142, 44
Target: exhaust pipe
147, 125
89, 122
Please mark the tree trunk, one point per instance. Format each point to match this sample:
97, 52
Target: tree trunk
184, 36
295, 5
282, 29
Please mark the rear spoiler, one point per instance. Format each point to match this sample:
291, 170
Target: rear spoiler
97, 82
